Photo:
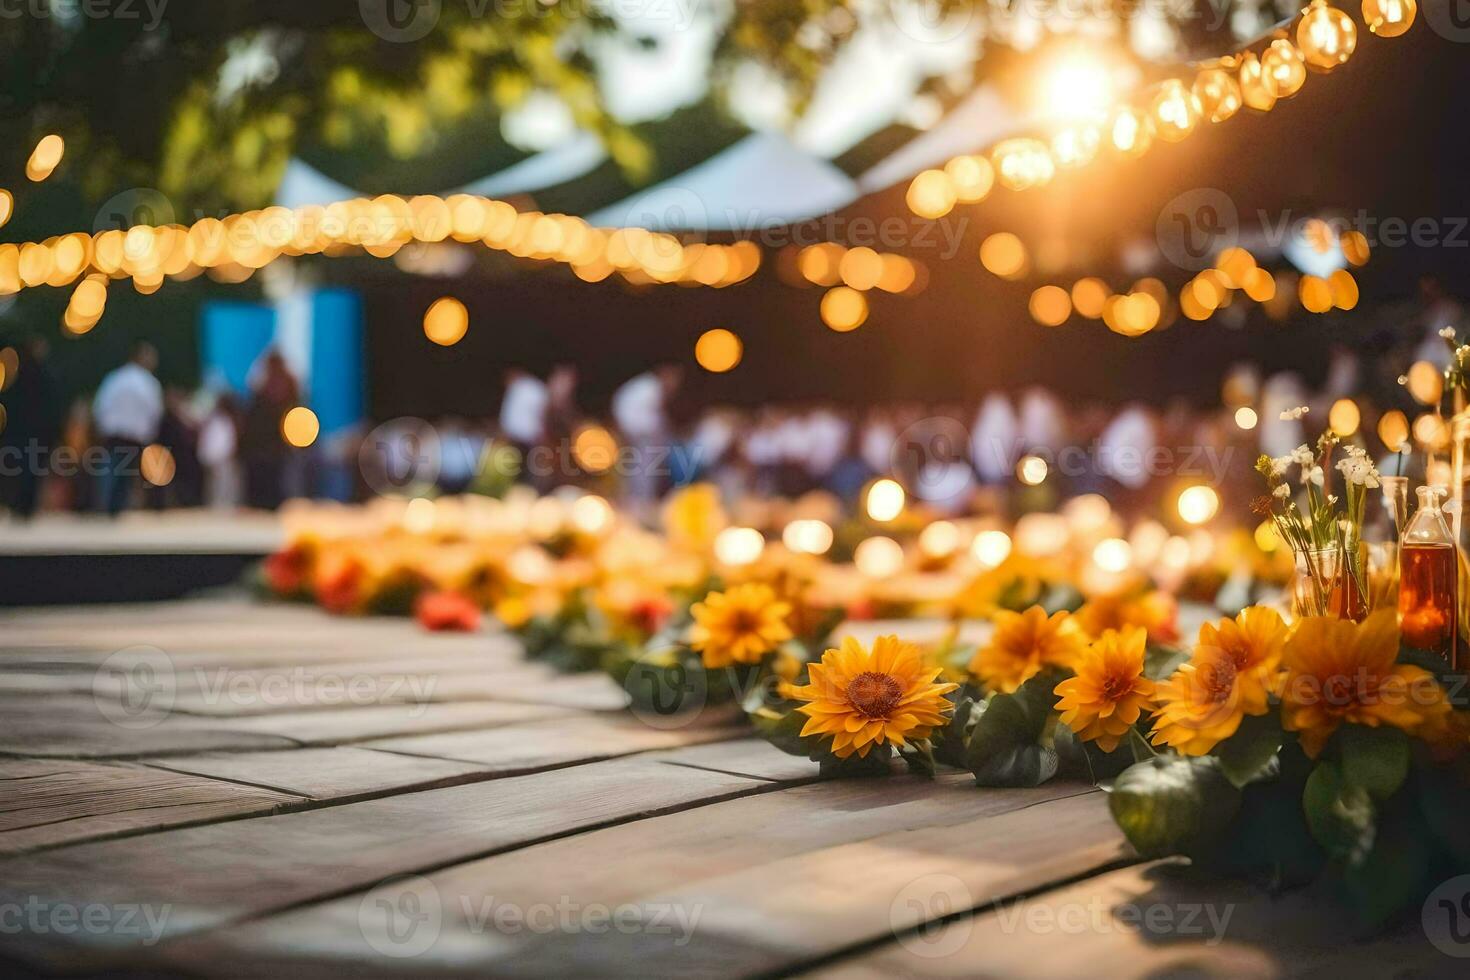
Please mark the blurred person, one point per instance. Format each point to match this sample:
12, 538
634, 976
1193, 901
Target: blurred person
1124, 453
263, 449
127, 412
219, 447
851, 472
993, 440
640, 407
523, 410
29, 430
1041, 423
178, 432
460, 449
876, 445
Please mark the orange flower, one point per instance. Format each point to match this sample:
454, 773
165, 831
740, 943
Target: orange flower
1340, 671
1230, 676
1253, 642
447, 611
863, 699
339, 583
1023, 643
739, 625
1155, 611
1110, 691
286, 572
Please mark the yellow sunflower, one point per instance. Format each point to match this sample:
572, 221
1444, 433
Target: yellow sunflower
1340, 671
1110, 691
740, 625
1023, 643
863, 699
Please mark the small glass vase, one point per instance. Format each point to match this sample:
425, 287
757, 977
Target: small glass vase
1325, 586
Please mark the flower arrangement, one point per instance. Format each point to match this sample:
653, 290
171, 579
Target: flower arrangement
1326, 538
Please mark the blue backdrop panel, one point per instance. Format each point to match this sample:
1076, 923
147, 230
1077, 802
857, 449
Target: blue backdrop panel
337, 361
234, 336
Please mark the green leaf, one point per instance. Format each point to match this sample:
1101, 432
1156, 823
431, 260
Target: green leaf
1161, 661
1169, 805
951, 740
1374, 759
1444, 800
1396, 874
1009, 744
1339, 814
1250, 754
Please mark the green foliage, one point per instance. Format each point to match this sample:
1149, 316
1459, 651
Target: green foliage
1011, 742
1339, 813
1171, 805
1251, 753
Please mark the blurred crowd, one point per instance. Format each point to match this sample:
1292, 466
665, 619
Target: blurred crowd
137, 443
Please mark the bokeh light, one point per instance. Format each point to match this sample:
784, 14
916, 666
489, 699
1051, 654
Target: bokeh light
300, 427
446, 322
1198, 504
718, 351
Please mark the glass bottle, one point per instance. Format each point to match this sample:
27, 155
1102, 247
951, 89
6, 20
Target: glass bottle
1428, 580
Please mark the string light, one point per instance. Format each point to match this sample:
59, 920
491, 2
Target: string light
990, 548
1326, 36
1285, 66
1257, 89
1389, 18
1218, 94
45, 158
1175, 111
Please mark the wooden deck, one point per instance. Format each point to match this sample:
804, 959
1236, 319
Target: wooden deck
212, 787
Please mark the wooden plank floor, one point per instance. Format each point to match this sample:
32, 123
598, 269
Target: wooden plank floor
213, 787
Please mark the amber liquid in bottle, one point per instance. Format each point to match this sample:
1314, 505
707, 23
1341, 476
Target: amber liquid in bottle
1429, 571
1428, 598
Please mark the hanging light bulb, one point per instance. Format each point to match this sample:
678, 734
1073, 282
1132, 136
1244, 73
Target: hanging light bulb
1257, 89
1022, 163
1175, 111
1218, 94
1326, 36
1130, 132
1285, 66
1389, 18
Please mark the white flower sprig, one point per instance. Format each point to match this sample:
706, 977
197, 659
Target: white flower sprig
1293, 414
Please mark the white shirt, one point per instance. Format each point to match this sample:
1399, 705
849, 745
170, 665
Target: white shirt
638, 407
129, 405
523, 412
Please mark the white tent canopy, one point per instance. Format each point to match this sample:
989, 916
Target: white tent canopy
980, 119
762, 180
